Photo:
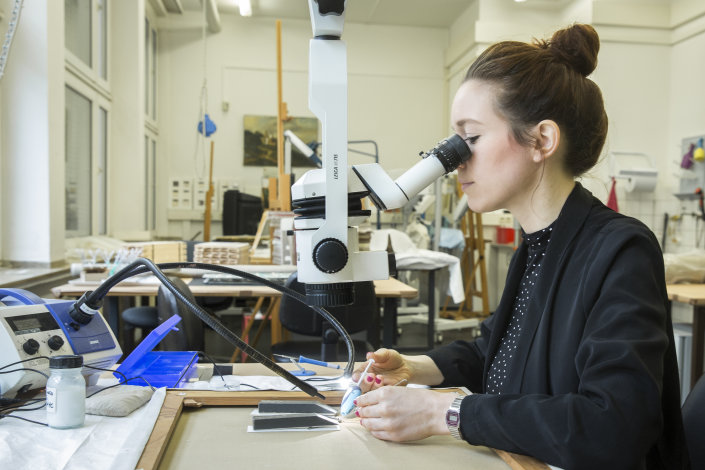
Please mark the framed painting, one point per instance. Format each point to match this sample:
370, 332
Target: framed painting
261, 139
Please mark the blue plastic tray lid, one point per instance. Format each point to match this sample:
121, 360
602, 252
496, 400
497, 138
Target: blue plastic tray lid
147, 344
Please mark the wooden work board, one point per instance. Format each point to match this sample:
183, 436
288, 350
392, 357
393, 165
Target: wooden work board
177, 400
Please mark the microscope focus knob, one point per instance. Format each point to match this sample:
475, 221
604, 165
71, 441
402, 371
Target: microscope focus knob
31, 346
55, 342
330, 255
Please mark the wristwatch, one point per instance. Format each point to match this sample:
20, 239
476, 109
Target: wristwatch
453, 418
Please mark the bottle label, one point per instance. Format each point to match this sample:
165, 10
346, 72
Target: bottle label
51, 400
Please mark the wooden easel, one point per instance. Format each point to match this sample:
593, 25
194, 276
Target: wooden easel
280, 187
471, 263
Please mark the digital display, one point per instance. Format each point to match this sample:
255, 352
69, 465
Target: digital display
27, 325
33, 323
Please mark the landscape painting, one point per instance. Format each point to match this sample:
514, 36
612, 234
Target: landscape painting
261, 139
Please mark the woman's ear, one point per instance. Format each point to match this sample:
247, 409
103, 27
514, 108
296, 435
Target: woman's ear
548, 139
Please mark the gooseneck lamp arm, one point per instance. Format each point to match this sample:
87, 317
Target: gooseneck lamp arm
91, 301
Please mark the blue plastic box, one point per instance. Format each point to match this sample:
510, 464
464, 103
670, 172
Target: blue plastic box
169, 369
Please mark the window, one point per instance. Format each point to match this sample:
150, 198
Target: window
77, 29
87, 125
151, 131
150, 181
87, 116
102, 170
78, 164
102, 49
86, 38
150, 72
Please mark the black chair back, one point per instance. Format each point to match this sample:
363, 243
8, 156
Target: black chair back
189, 336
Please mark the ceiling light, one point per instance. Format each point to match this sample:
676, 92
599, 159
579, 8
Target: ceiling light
245, 7
519, 1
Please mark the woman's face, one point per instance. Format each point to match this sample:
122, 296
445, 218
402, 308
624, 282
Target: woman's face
501, 174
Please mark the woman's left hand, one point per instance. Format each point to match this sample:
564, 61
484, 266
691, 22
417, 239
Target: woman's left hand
404, 414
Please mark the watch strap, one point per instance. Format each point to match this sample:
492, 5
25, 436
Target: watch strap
453, 418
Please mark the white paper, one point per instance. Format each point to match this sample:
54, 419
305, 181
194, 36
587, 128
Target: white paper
28, 445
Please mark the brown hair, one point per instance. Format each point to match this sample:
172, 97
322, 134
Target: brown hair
547, 80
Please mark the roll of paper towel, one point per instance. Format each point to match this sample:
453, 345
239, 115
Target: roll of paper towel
640, 180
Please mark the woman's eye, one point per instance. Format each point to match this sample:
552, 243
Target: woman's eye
472, 139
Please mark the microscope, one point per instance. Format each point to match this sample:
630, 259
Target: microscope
328, 201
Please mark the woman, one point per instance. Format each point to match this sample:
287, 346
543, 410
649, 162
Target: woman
576, 367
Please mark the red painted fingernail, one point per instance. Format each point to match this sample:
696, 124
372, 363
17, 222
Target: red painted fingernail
357, 413
355, 402
369, 379
378, 380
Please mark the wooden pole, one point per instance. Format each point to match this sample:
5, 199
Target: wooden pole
280, 104
283, 198
209, 197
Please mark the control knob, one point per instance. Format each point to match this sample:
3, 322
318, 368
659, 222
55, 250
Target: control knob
55, 342
31, 346
330, 255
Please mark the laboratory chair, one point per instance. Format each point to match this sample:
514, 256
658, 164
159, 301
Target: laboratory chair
189, 334
694, 423
188, 337
142, 317
298, 318
215, 304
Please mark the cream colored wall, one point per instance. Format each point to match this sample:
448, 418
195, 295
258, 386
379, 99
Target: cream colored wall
687, 119
647, 70
395, 93
33, 139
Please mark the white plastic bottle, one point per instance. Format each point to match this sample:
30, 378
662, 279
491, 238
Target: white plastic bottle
66, 392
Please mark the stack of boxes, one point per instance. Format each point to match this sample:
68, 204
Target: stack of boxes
225, 253
162, 251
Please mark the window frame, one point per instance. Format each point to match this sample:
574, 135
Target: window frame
90, 73
87, 81
100, 158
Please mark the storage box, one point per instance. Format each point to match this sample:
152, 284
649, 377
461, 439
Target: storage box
160, 251
169, 369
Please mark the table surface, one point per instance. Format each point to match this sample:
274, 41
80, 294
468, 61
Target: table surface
385, 288
693, 294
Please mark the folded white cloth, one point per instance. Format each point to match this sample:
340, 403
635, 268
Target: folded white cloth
408, 256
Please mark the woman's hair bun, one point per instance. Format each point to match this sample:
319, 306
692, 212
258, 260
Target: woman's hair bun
576, 46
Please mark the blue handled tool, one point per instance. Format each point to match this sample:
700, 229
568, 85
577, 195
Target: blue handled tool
306, 360
318, 363
351, 394
300, 370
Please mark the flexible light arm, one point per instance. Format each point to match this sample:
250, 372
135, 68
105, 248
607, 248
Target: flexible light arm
93, 300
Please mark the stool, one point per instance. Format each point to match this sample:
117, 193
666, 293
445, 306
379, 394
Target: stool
145, 318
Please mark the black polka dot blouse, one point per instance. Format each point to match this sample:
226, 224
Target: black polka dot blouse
537, 243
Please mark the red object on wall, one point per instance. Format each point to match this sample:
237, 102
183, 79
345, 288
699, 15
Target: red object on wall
612, 198
505, 235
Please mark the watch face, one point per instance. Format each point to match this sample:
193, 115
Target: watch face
452, 418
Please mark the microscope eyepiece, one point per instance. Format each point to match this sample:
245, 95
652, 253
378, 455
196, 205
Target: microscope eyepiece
451, 152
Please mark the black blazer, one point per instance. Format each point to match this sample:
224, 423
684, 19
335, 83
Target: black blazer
594, 382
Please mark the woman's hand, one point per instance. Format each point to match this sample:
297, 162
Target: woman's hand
404, 414
391, 368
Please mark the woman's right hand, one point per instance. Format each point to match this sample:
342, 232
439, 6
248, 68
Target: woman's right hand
389, 368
